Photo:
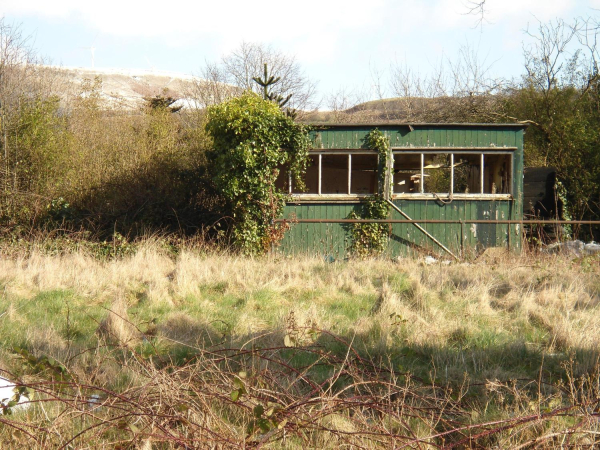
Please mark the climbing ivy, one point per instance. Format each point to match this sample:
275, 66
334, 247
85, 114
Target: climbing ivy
378, 141
369, 239
253, 140
560, 191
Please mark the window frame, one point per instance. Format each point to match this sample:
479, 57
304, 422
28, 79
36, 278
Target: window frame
452, 151
324, 196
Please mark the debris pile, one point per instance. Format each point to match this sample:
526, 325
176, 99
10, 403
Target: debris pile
575, 248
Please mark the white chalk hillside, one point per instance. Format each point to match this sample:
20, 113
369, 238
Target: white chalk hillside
128, 87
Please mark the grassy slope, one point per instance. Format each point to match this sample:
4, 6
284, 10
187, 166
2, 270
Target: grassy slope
481, 325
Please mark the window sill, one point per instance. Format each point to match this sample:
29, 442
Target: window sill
299, 198
454, 197
316, 198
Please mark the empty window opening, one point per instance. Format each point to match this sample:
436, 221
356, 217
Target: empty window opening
467, 173
311, 177
363, 174
334, 174
407, 173
497, 168
343, 173
452, 173
282, 182
437, 175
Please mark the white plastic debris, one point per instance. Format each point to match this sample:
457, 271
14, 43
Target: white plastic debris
592, 248
430, 260
93, 402
8, 393
575, 248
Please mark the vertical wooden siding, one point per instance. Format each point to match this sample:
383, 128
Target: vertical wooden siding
334, 239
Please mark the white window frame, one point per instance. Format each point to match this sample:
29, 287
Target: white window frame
452, 151
324, 196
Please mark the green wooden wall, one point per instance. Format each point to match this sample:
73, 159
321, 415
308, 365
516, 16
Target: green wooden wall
334, 239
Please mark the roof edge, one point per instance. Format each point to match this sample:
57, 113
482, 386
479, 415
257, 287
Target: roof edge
416, 125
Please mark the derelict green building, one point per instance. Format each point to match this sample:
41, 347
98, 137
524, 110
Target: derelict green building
459, 179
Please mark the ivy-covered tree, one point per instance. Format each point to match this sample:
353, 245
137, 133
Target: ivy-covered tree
253, 142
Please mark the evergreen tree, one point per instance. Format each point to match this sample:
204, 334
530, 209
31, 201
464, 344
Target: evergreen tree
266, 82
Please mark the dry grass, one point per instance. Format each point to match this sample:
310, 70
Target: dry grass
501, 352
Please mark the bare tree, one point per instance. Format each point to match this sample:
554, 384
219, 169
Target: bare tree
559, 94
211, 87
246, 62
16, 70
547, 57
478, 9
456, 91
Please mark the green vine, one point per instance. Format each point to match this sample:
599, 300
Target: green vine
378, 141
369, 239
253, 140
561, 195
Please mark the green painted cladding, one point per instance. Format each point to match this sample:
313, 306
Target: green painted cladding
334, 239
461, 136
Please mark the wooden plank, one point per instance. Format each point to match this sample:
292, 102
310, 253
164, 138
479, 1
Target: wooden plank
500, 137
461, 139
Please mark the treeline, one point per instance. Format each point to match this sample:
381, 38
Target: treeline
558, 96
71, 161
81, 166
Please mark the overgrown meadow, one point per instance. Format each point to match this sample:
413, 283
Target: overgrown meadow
195, 348
120, 340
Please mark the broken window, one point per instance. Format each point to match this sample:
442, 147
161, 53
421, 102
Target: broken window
340, 173
497, 169
363, 174
429, 172
426, 172
437, 173
334, 174
407, 173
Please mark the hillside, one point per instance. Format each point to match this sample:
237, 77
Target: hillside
128, 87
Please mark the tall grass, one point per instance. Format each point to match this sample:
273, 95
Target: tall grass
204, 349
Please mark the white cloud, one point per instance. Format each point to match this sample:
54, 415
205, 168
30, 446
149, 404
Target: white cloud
520, 10
313, 29
233, 20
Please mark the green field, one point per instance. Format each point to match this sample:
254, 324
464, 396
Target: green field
162, 350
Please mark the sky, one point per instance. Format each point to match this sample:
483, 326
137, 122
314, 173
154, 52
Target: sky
340, 44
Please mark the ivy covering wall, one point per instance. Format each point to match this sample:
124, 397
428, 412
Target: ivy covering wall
253, 141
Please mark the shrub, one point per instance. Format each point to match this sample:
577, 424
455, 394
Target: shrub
254, 142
